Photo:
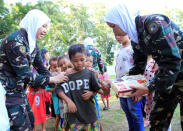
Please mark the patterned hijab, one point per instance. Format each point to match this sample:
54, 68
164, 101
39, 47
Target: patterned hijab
124, 16
32, 21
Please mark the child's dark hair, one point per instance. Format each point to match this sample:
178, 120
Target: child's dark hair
63, 56
88, 53
105, 68
76, 48
52, 59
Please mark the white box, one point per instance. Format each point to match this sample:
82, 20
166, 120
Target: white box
121, 87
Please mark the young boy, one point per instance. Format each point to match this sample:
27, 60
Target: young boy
54, 70
124, 61
81, 113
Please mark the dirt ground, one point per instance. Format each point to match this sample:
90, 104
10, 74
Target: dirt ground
114, 119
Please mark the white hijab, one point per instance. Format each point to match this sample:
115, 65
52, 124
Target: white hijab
88, 41
32, 21
124, 16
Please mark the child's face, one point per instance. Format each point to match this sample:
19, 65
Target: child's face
54, 66
89, 61
119, 34
64, 64
78, 60
124, 40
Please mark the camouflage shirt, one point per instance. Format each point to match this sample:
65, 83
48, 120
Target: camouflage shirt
15, 62
98, 65
161, 38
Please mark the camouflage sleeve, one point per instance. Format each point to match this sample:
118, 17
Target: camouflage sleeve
140, 60
100, 62
38, 64
165, 52
16, 54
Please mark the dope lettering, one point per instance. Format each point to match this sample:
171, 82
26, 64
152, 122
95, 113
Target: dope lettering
75, 85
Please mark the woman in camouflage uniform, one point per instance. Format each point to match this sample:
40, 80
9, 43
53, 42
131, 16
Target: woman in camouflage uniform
160, 37
18, 51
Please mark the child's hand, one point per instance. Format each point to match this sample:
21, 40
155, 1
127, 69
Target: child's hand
101, 92
71, 107
105, 86
155, 67
87, 94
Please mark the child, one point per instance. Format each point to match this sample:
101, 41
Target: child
89, 64
81, 108
149, 74
89, 60
105, 76
54, 69
36, 99
64, 64
133, 110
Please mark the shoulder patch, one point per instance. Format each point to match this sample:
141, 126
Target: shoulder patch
152, 27
22, 49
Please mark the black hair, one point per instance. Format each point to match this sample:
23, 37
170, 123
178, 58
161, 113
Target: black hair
88, 53
53, 59
76, 48
43, 52
63, 56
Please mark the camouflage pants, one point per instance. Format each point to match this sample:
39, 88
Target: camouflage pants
20, 114
164, 106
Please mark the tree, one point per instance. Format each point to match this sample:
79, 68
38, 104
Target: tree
176, 15
70, 23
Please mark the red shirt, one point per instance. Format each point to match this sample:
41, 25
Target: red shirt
36, 99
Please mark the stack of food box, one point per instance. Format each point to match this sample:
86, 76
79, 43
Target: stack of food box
122, 86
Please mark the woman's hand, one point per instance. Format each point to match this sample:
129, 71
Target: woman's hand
136, 98
139, 91
87, 95
59, 78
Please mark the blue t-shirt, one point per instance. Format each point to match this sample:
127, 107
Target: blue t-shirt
55, 101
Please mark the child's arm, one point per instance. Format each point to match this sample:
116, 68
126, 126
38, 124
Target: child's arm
51, 90
48, 89
70, 104
105, 85
100, 91
155, 67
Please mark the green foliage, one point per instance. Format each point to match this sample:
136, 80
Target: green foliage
176, 15
10, 17
70, 23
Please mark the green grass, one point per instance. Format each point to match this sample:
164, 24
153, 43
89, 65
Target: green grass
114, 119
